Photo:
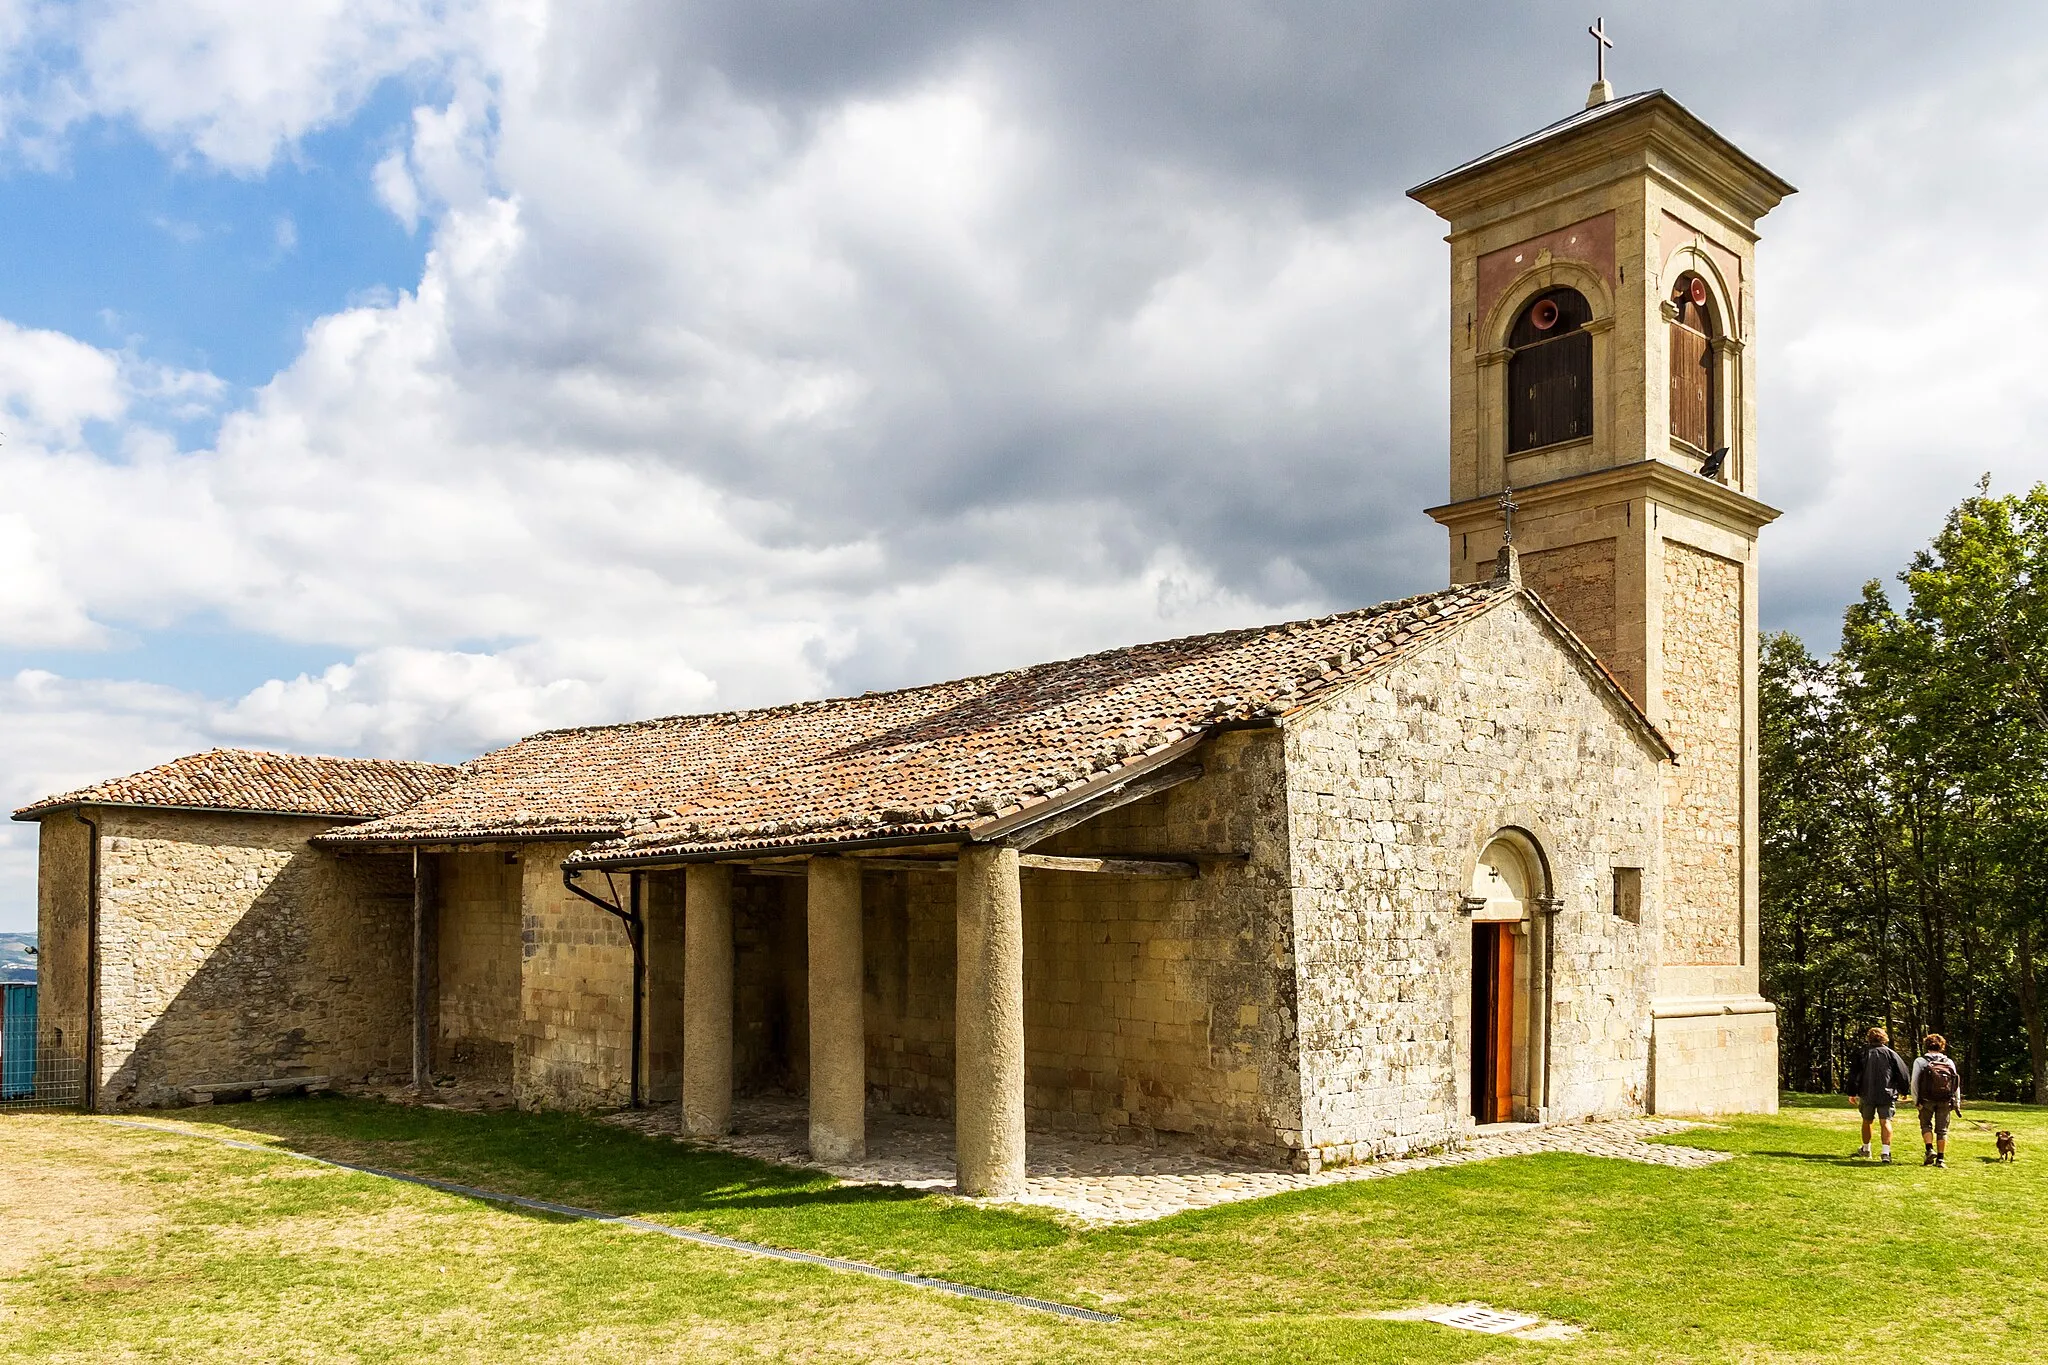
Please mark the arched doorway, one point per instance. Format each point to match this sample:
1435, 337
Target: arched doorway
1508, 882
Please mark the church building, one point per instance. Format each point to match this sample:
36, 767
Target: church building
1319, 892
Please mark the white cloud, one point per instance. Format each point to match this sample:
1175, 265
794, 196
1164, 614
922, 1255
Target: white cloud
237, 84
35, 609
1899, 310
396, 189
52, 385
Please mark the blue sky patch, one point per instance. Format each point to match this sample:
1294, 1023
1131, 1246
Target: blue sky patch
125, 245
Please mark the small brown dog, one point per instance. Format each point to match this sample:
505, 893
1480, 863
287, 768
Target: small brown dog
2007, 1151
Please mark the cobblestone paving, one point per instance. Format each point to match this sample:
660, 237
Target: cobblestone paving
1099, 1182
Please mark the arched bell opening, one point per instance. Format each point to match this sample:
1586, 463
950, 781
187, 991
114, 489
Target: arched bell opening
1550, 372
1695, 411
1507, 1036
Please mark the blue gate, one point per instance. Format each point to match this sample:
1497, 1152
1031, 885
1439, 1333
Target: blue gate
17, 1042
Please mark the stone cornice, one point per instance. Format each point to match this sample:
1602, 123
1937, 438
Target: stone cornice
1651, 479
1655, 134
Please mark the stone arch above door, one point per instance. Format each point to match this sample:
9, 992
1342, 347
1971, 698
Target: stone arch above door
1508, 878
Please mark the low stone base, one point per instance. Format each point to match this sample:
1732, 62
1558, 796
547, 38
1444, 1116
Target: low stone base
1714, 1057
225, 1092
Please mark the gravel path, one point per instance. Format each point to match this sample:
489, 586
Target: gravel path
1100, 1182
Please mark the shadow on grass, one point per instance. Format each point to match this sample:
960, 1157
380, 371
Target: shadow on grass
576, 1160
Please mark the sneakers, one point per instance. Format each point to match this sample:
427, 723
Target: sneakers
1887, 1158
1864, 1150
1929, 1159
1941, 1161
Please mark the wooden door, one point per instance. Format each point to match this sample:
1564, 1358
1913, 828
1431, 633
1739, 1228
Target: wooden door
1502, 1019
1493, 1021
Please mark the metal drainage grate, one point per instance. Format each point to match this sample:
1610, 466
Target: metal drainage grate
1475, 1319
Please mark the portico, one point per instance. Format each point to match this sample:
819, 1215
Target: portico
872, 983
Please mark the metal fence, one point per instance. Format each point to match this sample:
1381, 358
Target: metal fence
40, 1068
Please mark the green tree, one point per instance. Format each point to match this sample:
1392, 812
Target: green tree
1980, 593
1905, 808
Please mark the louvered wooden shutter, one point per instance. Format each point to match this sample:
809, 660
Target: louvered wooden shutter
1692, 386
1550, 392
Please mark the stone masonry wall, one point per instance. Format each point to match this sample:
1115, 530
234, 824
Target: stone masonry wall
62, 860
232, 951
1394, 787
771, 1009
1702, 650
1716, 1064
575, 990
909, 940
1166, 1007
1577, 582
662, 906
479, 965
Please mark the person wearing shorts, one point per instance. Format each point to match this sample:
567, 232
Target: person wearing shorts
1937, 1092
1880, 1077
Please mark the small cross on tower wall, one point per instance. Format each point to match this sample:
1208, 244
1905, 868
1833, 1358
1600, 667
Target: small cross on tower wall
1508, 566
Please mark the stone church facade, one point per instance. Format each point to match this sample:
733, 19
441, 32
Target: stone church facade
1318, 892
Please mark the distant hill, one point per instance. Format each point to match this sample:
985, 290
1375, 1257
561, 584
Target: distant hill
17, 960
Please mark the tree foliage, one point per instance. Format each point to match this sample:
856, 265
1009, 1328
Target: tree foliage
1904, 810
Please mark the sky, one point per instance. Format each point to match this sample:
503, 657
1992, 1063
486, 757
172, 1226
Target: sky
399, 377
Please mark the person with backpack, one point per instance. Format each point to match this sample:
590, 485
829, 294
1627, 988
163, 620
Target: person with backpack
1938, 1091
1880, 1078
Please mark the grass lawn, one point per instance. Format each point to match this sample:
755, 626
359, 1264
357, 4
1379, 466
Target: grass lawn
117, 1244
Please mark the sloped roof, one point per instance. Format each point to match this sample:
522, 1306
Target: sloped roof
1571, 123
1578, 121
256, 780
925, 762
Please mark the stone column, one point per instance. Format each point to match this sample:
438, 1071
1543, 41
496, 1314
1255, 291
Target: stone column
838, 1029
988, 1024
707, 999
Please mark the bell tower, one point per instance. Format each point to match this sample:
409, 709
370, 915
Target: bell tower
1603, 313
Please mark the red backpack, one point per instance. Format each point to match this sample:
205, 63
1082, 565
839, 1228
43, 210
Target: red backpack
1939, 1083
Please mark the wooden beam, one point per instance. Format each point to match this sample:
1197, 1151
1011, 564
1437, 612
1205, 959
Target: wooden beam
1112, 867
908, 864
795, 867
778, 868
1032, 831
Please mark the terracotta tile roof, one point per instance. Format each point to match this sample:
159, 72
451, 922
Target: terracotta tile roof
922, 762
255, 780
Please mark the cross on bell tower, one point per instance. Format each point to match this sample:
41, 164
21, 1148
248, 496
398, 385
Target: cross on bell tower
1601, 91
